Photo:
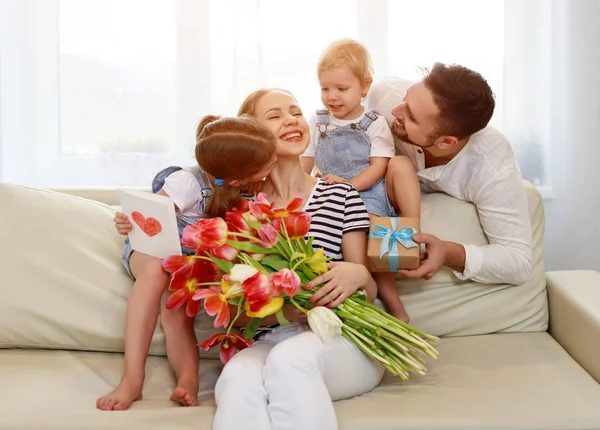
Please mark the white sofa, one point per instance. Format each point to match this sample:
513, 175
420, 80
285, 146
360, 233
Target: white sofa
63, 294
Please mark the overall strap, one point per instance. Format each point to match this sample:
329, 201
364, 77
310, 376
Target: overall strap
322, 121
368, 119
200, 176
159, 179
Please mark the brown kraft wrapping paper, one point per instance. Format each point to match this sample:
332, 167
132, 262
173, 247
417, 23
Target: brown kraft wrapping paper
408, 258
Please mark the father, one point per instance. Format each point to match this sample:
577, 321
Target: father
441, 128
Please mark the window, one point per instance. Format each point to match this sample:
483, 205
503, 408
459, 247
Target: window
97, 93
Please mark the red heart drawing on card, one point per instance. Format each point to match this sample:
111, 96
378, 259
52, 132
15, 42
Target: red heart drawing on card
150, 226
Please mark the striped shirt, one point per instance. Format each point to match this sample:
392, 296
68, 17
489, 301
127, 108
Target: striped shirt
335, 209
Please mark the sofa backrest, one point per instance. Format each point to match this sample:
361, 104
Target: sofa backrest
62, 284
447, 306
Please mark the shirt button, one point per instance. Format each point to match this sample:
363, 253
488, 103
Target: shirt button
419, 151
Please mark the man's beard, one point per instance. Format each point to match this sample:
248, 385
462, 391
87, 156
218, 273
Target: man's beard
403, 136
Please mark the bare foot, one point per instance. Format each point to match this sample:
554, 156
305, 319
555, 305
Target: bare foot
122, 397
186, 393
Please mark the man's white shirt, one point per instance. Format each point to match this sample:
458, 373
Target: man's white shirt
485, 173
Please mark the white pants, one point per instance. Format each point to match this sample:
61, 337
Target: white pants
288, 380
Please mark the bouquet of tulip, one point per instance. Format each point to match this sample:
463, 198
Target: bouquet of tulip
257, 261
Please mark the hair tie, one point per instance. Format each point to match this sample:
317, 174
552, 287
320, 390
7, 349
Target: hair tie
219, 182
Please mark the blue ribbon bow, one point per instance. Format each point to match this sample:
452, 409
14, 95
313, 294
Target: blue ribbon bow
390, 239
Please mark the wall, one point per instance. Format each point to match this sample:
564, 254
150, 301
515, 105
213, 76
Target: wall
573, 216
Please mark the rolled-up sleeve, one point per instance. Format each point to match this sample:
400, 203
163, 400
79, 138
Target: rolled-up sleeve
504, 216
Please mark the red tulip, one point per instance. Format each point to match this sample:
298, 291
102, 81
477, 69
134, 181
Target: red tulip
296, 226
205, 234
257, 290
285, 280
236, 222
292, 209
175, 263
215, 303
261, 208
225, 252
230, 343
185, 283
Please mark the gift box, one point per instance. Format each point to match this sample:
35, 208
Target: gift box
390, 247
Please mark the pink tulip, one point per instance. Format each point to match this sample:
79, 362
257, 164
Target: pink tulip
261, 208
268, 236
285, 280
205, 234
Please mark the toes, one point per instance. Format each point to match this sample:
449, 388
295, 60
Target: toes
110, 404
181, 396
120, 406
99, 402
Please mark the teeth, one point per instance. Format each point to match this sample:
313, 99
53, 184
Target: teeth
290, 135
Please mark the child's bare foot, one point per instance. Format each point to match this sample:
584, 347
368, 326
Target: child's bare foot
186, 392
121, 398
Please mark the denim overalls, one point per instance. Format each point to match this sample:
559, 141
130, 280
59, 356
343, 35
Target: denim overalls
346, 152
157, 183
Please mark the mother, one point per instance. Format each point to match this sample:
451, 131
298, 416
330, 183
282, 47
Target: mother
289, 378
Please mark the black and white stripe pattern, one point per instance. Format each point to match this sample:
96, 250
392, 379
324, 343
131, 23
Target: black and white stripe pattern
335, 209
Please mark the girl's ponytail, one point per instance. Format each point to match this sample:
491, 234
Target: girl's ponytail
222, 200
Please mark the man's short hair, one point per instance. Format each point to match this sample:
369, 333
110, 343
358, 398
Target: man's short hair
463, 97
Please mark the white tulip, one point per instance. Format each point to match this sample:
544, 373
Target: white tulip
241, 272
324, 323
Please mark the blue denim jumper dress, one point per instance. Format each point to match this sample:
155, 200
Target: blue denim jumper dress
157, 183
346, 152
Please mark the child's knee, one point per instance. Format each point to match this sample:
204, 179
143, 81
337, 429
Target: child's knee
401, 164
175, 318
154, 268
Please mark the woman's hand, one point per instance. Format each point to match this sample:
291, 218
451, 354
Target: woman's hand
340, 282
122, 223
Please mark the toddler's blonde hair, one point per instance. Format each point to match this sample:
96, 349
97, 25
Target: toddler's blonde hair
347, 52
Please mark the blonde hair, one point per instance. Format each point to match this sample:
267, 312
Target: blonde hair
347, 52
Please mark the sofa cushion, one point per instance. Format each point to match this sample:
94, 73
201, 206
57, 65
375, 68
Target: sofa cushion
447, 306
62, 284
501, 381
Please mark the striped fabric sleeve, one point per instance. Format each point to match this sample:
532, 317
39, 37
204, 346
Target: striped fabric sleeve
356, 216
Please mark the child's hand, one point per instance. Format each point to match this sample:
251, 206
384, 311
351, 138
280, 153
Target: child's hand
122, 223
332, 179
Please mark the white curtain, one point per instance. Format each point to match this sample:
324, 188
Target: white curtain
98, 93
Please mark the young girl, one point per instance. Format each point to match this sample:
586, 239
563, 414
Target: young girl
230, 152
351, 145
288, 378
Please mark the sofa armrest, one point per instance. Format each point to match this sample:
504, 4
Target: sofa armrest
574, 301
